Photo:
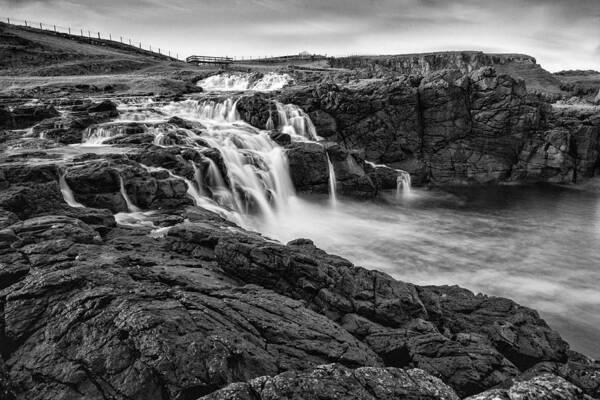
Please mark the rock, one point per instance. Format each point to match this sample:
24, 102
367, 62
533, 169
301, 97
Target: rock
25, 116
543, 387
282, 139
349, 173
336, 382
143, 323
308, 166
257, 110
186, 124
98, 184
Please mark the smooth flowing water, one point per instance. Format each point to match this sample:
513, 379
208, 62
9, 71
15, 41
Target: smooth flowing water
537, 246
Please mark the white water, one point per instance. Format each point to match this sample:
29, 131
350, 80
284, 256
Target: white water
130, 206
241, 82
67, 192
403, 185
332, 183
296, 123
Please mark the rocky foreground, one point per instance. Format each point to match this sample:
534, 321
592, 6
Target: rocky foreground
196, 307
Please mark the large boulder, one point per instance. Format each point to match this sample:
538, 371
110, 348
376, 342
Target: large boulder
308, 166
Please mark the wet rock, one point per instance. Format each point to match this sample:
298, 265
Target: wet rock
349, 173
336, 382
186, 124
515, 331
25, 116
308, 166
97, 184
257, 110
282, 139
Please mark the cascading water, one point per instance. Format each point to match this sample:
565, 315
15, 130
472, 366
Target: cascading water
332, 183
130, 206
67, 192
403, 181
296, 123
403, 185
242, 82
97, 135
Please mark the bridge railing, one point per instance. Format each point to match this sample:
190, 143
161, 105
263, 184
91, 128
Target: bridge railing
209, 60
91, 35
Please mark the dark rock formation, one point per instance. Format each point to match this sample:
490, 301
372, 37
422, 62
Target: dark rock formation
25, 116
450, 128
257, 110
308, 166
336, 382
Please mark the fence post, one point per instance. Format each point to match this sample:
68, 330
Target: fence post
130, 42
25, 22
140, 45
69, 30
98, 35
41, 26
54, 28
8, 20
159, 50
121, 39
90, 34
110, 36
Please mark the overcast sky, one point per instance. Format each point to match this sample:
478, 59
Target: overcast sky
561, 34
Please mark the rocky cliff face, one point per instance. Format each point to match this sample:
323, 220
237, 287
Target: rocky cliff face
455, 128
427, 63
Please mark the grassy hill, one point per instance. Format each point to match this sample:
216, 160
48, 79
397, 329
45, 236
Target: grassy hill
28, 51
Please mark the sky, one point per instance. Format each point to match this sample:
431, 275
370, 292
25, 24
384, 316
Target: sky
560, 34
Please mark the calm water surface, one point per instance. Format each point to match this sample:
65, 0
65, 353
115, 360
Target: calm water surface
539, 246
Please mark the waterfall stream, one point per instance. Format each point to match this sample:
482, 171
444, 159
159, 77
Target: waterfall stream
253, 187
66, 191
332, 183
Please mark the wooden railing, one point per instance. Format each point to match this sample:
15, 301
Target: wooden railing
209, 60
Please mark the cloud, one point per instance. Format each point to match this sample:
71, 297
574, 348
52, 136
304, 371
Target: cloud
559, 33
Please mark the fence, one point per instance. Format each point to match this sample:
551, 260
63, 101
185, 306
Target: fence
89, 35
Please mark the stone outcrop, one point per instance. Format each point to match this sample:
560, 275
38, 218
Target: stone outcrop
450, 127
21, 117
336, 382
542, 387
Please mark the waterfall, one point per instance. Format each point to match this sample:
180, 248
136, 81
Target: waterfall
225, 111
403, 185
332, 183
130, 206
403, 181
270, 125
241, 82
250, 181
198, 178
296, 123
67, 192
97, 135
